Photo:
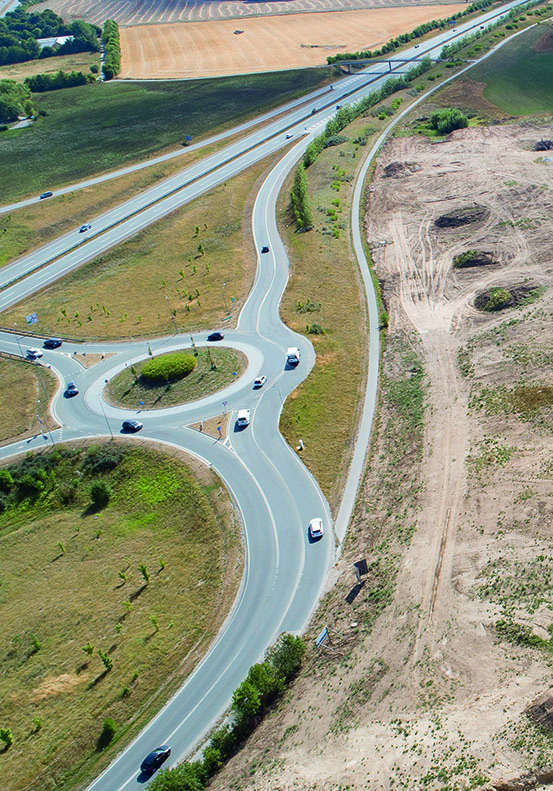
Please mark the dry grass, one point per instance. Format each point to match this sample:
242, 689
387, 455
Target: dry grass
80, 61
138, 288
21, 377
158, 512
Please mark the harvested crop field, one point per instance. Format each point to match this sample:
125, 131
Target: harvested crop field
440, 662
207, 49
141, 12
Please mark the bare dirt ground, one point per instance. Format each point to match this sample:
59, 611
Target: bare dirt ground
207, 49
420, 688
141, 12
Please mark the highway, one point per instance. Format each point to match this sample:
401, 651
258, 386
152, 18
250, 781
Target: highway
273, 492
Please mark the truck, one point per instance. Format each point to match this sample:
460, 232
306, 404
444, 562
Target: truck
293, 355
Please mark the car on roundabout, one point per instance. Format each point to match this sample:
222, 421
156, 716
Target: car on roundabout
265, 248
52, 343
71, 390
215, 336
259, 381
131, 425
316, 530
154, 759
33, 354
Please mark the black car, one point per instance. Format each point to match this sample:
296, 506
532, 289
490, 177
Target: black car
52, 343
265, 248
131, 425
154, 760
215, 336
71, 390
47, 194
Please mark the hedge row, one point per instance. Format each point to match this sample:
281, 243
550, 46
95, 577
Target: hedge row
167, 368
263, 685
112, 49
345, 115
40, 83
418, 32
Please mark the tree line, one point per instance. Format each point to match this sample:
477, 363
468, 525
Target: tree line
112, 49
15, 100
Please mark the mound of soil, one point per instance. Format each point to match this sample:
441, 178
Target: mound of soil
397, 170
543, 145
472, 258
464, 216
501, 298
545, 43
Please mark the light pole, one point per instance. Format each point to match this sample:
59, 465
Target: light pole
17, 338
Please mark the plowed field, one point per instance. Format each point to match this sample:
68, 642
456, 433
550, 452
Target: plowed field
205, 49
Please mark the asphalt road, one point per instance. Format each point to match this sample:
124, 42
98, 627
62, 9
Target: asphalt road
273, 492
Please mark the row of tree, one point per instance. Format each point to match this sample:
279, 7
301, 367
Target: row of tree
40, 83
263, 685
112, 49
20, 30
418, 32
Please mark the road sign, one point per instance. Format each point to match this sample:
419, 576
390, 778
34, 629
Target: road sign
32, 318
188, 138
323, 637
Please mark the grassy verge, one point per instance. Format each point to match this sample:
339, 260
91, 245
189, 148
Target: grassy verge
152, 625
138, 284
34, 386
80, 61
94, 128
128, 390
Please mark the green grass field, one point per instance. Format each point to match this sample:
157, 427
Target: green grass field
71, 578
98, 127
518, 80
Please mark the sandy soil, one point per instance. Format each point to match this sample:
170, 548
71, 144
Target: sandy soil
432, 698
205, 49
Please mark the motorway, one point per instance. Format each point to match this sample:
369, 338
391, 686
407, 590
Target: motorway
272, 490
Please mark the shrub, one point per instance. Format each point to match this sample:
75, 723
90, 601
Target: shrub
499, 298
335, 140
6, 481
109, 729
100, 493
101, 458
6, 736
169, 367
446, 120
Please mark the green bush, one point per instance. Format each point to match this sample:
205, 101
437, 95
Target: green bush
109, 729
446, 120
100, 493
167, 368
101, 458
6, 736
500, 298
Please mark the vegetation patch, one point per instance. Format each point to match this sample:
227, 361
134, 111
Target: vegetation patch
212, 369
168, 368
499, 298
473, 258
34, 386
151, 574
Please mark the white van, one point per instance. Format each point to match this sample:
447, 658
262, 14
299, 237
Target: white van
293, 355
243, 418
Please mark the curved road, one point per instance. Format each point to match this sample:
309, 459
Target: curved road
275, 494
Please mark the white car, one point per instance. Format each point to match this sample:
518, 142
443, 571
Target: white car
243, 418
316, 528
33, 354
260, 381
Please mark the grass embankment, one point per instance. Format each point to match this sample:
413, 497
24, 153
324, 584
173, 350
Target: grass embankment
94, 128
127, 389
138, 284
80, 61
27, 389
518, 79
71, 578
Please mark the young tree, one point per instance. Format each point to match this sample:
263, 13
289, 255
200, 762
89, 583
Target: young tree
100, 493
300, 200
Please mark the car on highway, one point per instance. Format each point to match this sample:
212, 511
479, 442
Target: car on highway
215, 336
417, 46
265, 248
131, 425
71, 390
47, 194
86, 227
52, 343
259, 381
33, 354
243, 418
289, 135
154, 759
316, 528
